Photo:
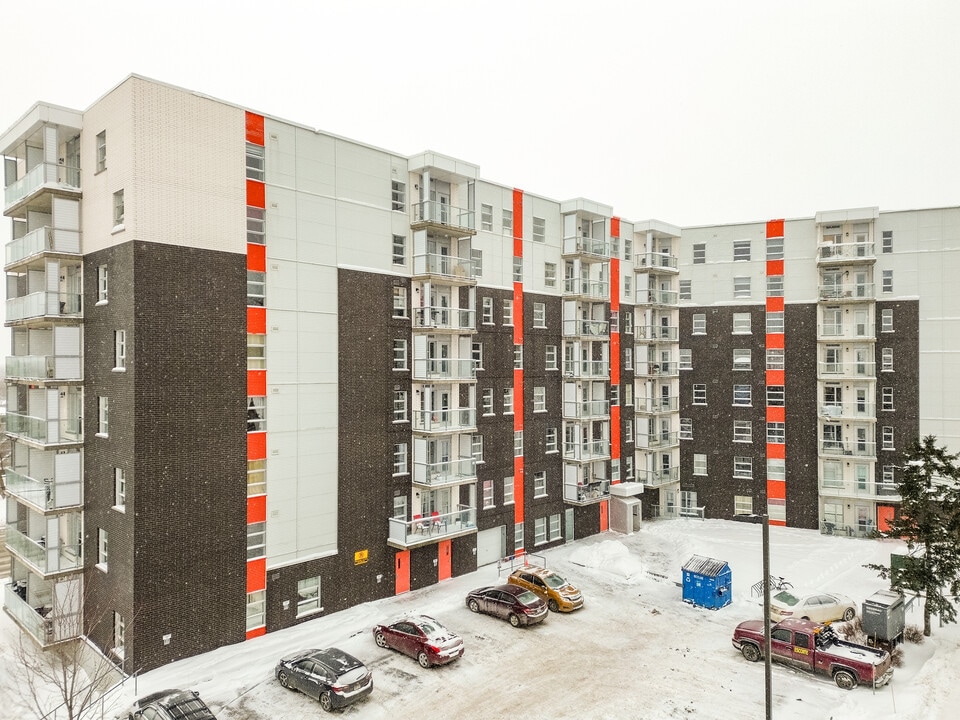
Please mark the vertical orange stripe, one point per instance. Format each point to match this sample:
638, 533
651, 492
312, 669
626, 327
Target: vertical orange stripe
256, 257
256, 574
775, 377
518, 218
615, 227
518, 489
776, 451
614, 358
256, 445
256, 383
774, 267
776, 414
258, 632
615, 432
614, 285
518, 399
775, 341
774, 304
256, 194
254, 128
256, 509
774, 228
257, 320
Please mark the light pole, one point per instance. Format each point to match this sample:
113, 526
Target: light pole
768, 693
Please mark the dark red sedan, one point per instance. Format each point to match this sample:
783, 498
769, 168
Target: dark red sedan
420, 637
510, 602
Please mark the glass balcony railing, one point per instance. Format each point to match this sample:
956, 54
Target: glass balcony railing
594, 369
854, 409
579, 492
583, 409
854, 448
863, 370
446, 265
44, 304
656, 478
586, 328
432, 528
45, 430
656, 404
50, 174
586, 246
855, 489
595, 289
657, 440
654, 369
848, 331
658, 261
47, 494
840, 252
45, 239
44, 559
450, 472
847, 291
44, 367
586, 451
657, 297
45, 623
442, 318
439, 213
444, 369
657, 333
445, 421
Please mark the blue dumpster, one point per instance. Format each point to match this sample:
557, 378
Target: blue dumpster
707, 582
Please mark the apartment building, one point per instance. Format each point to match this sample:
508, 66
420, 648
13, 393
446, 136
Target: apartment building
437, 372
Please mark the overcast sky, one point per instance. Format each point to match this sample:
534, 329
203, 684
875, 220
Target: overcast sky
689, 112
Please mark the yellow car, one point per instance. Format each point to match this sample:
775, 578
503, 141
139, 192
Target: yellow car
559, 595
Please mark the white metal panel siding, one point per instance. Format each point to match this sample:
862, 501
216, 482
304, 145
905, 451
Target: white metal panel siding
69, 485
66, 214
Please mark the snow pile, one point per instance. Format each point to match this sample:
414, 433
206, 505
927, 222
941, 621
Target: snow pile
611, 556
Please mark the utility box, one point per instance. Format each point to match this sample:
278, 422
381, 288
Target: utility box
883, 617
707, 582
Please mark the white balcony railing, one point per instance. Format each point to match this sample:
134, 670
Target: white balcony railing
586, 451
583, 409
432, 528
42, 174
449, 472
445, 421
45, 623
586, 246
596, 289
586, 328
854, 448
656, 404
433, 211
34, 551
444, 318
45, 430
44, 367
586, 369
47, 494
657, 333
45, 239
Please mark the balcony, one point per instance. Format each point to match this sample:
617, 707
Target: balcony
444, 369
43, 622
855, 410
657, 297
832, 370
42, 240
579, 493
41, 368
432, 529
450, 269
584, 246
676, 511
45, 431
657, 441
656, 333
445, 473
443, 217
840, 253
846, 331
587, 451
856, 448
586, 409
654, 370
869, 490
44, 305
46, 494
586, 288
655, 262
850, 292
586, 369
656, 404
44, 560
586, 328
43, 176
445, 421
657, 478
443, 318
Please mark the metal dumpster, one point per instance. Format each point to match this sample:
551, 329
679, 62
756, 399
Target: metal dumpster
883, 617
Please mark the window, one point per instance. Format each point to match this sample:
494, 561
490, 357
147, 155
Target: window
119, 635
508, 312
398, 195
628, 394
539, 399
742, 467
399, 301
686, 290
539, 531
774, 285
256, 288
699, 253
476, 352
256, 540
118, 207
741, 286
255, 162
832, 474
886, 320
741, 323
539, 315
775, 396
742, 431
699, 394
400, 465
256, 609
628, 467
551, 361
628, 358
742, 395
627, 286
119, 349
518, 269
101, 151
486, 401
776, 433
476, 260
399, 354
399, 250
742, 505
699, 324
686, 428
551, 442
517, 443
476, 448
555, 527
886, 398
774, 322
741, 250
508, 490
518, 537
488, 500
887, 241
887, 436
508, 401
119, 488
775, 248
686, 359
886, 281
550, 274
540, 484
256, 477
506, 219
308, 596
256, 225
776, 469
888, 477
628, 431
102, 548
699, 464
399, 406
627, 249
486, 310
103, 416
775, 359
628, 322
886, 359
102, 284
539, 229
742, 359
518, 357
486, 217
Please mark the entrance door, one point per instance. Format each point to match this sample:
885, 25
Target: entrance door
569, 524
402, 572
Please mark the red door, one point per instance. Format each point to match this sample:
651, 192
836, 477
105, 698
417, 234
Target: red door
443, 567
885, 514
402, 572
604, 516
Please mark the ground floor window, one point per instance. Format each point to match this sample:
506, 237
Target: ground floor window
256, 609
742, 505
308, 594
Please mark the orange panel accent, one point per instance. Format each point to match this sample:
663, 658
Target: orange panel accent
518, 313
256, 446
776, 414
614, 285
251, 634
774, 304
776, 451
256, 574
615, 431
604, 515
775, 377
254, 128
518, 489
518, 218
443, 560
774, 228
774, 267
776, 490
615, 358
256, 194
257, 320
775, 340
256, 382
518, 399
256, 257
615, 227
885, 514
401, 582
256, 509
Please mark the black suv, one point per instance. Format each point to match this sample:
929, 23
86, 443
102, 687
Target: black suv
170, 705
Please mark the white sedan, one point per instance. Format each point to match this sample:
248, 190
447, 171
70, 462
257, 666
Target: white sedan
819, 607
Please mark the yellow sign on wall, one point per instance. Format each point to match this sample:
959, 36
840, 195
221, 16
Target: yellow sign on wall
360, 557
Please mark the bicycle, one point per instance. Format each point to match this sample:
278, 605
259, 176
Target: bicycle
779, 583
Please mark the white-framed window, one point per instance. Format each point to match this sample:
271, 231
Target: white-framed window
776, 469
540, 484
628, 431
614, 395
886, 398
399, 250
774, 322
103, 416
256, 477
776, 433
488, 499
775, 248
775, 396
103, 547
699, 394
119, 349
518, 269
699, 324
551, 445
775, 359
555, 527
741, 323
518, 537
551, 361
774, 285
486, 217
256, 609
486, 401
699, 463
742, 431
476, 260
398, 195
256, 288
887, 437
741, 250
628, 322
518, 357
399, 301
627, 286
628, 394
686, 290
742, 359
741, 286
886, 359
308, 596
256, 540
102, 151
256, 225
699, 253
508, 312
118, 213
886, 320
742, 395
508, 401
686, 359
627, 249
506, 220
486, 310
400, 463
256, 413
399, 354
476, 448
539, 229
742, 466
476, 352
539, 315
539, 531
399, 406
508, 490
742, 505
518, 443
628, 358
255, 162
103, 277
119, 488
686, 428
539, 399
119, 635
887, 241
887, 478
886, 281
550, 274
832, 474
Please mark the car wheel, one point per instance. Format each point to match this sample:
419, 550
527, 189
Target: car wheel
514, 620
553, 606
380, 639
849, 614
805, 618
423, 659
325, 702
284, 679
845, 679
751, 652
474, 606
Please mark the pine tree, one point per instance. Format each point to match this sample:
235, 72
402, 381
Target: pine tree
929, 522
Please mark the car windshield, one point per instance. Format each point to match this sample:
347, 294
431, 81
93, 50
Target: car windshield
528, 598
786, 598
433, 629
554, 581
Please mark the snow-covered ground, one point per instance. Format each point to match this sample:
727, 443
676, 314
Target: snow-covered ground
634, 651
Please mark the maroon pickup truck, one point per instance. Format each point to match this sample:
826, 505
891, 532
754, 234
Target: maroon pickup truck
810, 646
